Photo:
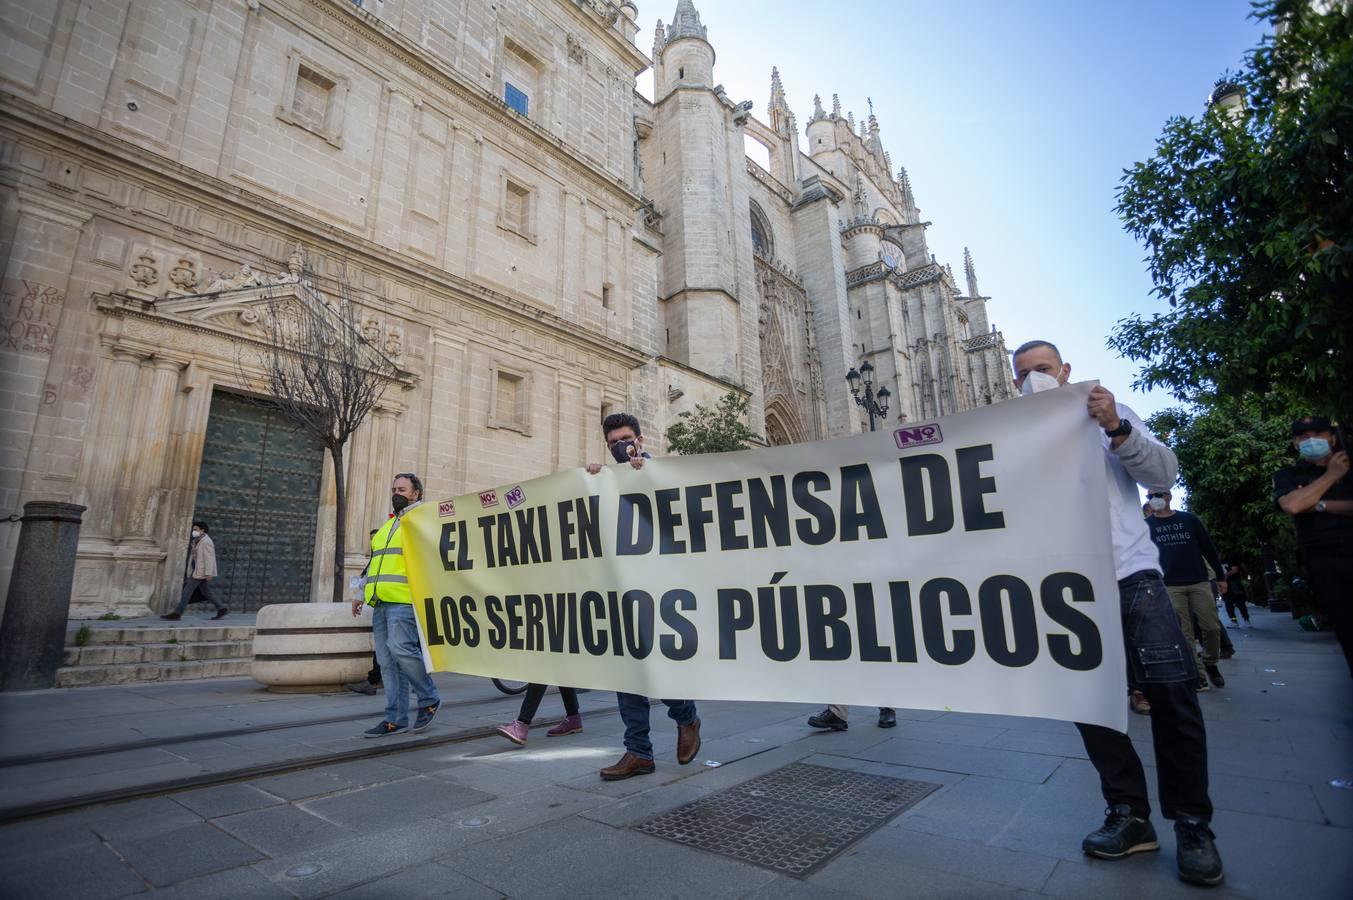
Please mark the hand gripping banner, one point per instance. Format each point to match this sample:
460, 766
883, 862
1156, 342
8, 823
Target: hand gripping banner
962, 563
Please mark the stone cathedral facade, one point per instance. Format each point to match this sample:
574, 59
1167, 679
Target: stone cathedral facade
531, 241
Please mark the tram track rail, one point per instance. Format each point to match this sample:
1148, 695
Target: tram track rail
368, 750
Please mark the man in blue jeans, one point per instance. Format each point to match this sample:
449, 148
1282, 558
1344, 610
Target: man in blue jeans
1160, 661
626, 443
394, 629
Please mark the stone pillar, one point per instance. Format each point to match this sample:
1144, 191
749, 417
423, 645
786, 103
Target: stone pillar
108, 442
149, 447
33, 634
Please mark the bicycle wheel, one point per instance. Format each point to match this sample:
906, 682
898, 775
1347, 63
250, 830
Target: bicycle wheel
509, 687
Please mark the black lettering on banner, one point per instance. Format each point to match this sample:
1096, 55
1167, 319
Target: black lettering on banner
594, 636
860, 505
933, 624
769, 511
780, 637
697, 517
568, 551
448, 545
530, 542
731, 622
467, 611
904, 625
672, 603
450, 621
535, 630
972, 485
1023, 620
917, 472
430, 620
824, 608
818, 510
866, 623
507, 541
486, 531
514, 622
617, 631
493, 608
729, 515
1053, 594
554, 622
634, 530
668, 521
637, 607
587, 527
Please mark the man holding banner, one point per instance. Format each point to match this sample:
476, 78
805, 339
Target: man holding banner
625, 440
1160, 662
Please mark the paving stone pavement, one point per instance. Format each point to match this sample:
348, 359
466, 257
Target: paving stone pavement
480, 818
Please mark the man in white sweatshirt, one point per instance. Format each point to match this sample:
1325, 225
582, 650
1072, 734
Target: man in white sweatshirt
1160, 661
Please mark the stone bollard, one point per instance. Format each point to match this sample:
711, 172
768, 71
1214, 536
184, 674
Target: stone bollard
33, 633
310, 647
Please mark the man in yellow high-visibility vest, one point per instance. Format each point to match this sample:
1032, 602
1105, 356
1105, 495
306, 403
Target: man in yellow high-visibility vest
393, 625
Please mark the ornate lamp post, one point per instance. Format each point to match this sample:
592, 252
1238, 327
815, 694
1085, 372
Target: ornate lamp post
876, 404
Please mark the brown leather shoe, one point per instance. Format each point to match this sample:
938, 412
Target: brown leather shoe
629, 766
688, 742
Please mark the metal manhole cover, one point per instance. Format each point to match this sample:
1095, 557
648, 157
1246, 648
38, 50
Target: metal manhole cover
793, 820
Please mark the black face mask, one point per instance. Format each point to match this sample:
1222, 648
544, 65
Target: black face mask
621, 450
399, 501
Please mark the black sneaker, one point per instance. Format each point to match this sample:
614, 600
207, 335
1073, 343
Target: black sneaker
887, 717
1122, 834
1214, 676
1197, 856
1201, 684
383, 729
828, 719
426, 715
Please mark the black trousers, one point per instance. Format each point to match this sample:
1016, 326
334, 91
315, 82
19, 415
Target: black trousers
195, 589
1331, 574
535, 692
1161, 666
1235, 602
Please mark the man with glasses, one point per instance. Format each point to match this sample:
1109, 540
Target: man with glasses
626, 443
1186, 551
394, 628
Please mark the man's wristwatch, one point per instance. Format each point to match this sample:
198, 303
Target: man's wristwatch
1320, 506
1123, 430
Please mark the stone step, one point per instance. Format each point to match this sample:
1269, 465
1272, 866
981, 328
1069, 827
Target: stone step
125, 673
170, 651
161, 634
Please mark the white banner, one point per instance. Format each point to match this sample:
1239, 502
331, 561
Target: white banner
960, 564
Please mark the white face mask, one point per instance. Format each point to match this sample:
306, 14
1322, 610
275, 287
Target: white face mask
1158, 503
1037, 382
196, 533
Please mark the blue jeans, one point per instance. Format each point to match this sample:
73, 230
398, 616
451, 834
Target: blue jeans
395, 631
634, 712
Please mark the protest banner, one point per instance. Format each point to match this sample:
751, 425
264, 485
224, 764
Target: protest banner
962, 563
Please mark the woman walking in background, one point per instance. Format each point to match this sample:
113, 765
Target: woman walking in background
572, 723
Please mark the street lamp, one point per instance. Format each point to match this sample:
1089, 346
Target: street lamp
874, 404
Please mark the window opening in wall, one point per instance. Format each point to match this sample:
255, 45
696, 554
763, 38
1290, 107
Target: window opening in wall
509, 400
605, 296
310, 103
858, 314
681, 72
516, 98
517, 209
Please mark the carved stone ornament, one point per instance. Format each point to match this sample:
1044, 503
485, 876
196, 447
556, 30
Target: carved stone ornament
144, 271
394, 343
575, 49
245, 277
184, 275
371, 331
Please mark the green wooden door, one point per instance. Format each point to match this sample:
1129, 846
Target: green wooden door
258, 492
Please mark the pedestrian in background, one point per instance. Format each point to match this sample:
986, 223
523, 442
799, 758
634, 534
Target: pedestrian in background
1186, 553
1236, 594
1318, 494
572, 723
198, 575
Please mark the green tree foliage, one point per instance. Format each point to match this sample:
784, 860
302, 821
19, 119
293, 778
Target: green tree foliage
1247, 220
1227, 454
714, 429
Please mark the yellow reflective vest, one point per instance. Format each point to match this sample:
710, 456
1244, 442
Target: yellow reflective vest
387, 579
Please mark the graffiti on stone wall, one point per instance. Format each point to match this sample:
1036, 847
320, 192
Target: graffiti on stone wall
29, 318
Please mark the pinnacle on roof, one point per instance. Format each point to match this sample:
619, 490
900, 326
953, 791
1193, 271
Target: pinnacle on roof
659, 38
971, 273
836, 106
777, 91
686, 23
818, 111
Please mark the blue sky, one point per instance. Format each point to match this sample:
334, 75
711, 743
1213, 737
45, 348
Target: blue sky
1014, 120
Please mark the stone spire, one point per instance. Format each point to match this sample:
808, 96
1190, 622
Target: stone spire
777, 109
971, 273
659, 39
836, 106
818, 112
686, 23
850, 117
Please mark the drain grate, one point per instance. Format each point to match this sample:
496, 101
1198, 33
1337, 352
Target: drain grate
792, 820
